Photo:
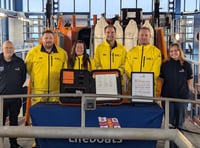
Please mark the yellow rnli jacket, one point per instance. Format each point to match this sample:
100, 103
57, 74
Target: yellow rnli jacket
106, 58
44, 70
144, 59
79, 64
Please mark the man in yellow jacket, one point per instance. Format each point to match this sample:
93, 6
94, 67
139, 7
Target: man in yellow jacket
144, 57
110, 54
44, 63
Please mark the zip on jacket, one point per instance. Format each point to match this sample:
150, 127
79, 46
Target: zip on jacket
142, 59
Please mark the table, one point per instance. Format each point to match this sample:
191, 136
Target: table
133, 116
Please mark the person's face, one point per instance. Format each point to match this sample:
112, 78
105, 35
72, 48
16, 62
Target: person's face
174, 53
48, 40
144, 36
8, 51
79, 49
110, 34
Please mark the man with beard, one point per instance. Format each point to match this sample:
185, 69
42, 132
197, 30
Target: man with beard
44, 63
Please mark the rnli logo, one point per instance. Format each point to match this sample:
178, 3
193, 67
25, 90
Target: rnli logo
105, 122
149, 58
56, 58
17, 69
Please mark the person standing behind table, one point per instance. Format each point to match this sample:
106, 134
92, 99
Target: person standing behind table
144, 57
12, 78
176, 77
44, 63
79, 59
110, 54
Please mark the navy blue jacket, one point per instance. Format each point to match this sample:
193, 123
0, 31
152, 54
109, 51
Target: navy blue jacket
175, 78
12, 75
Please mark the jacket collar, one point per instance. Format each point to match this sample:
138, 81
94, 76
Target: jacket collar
107, 44
174, 61
145, 45
54, 49
14, 57
81, 56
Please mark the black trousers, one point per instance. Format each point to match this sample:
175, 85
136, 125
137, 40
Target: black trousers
11, 108
176, 116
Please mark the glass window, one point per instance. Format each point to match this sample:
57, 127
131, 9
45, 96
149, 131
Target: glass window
1, 33
110, 13
35, 5
182, 6
163, 6
7, 5
82, 6
67, 6
25, 6
190, 5
97, 7
11, 5
44, 5
129, 4
2, 3
146, 5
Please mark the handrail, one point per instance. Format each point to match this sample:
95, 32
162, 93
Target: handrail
85, 132
97, 133
99, 95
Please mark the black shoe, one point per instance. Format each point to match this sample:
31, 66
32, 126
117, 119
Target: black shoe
15, 145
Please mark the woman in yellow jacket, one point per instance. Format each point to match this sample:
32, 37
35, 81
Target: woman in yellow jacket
79, 59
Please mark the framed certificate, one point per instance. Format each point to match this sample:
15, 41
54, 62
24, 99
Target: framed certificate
142, 84
106, 84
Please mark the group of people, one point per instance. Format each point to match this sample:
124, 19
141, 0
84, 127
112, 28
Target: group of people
44, 62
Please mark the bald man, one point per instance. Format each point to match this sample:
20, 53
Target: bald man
12, 78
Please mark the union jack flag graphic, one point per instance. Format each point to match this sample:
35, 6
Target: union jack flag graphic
105, 122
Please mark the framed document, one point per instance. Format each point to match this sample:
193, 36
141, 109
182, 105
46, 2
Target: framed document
142, 84
106, 84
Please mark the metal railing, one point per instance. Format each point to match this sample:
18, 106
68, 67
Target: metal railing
86, 132
196, 117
